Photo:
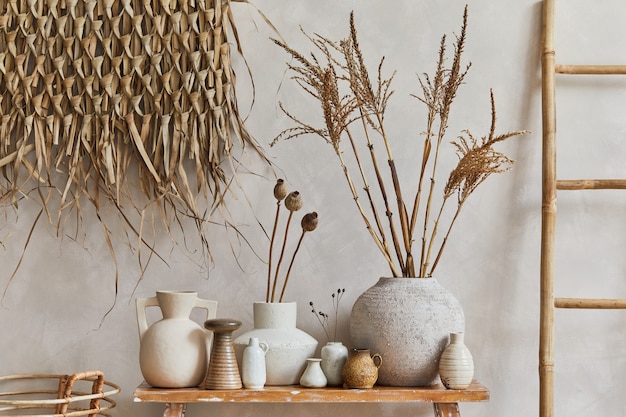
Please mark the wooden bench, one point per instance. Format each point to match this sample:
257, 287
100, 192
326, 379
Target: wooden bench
445, 401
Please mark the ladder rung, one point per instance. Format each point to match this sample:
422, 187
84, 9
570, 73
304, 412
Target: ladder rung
591, 69
592, 303
614, 184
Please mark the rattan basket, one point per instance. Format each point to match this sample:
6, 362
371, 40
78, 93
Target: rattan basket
56, 395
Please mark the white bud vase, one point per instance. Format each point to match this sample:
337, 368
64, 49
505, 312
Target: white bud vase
456, 365
313, 376
334, 357
253, 373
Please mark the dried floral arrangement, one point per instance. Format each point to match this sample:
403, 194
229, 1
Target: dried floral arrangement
95, 92
323, 318
353, 109
293, 203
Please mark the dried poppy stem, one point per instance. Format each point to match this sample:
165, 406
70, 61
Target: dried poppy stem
293, 203
309, 223
280, 192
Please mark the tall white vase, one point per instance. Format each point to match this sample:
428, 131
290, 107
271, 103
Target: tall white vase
173, 351
456, 366
288, 346
407, 321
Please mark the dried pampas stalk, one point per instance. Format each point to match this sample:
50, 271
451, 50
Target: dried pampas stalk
353, 106
93, 92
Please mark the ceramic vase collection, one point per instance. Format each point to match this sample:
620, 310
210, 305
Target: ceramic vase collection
361, 369
288, 347
313, 376
334, 356
173, 351
407, 321
253, 372
456, 366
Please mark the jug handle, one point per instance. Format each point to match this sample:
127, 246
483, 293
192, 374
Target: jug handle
209, 305
264, 347
211, 312
380, 360
142, 304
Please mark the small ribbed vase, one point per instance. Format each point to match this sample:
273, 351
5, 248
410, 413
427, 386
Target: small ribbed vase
223, 371
456, 365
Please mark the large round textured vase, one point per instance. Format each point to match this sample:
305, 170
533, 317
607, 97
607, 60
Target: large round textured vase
407, 321
173, 351
288, 346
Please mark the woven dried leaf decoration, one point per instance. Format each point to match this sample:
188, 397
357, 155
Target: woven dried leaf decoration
92, 91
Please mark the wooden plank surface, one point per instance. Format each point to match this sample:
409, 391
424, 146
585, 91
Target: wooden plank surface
298, 394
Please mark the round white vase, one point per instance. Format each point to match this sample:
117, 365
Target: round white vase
456, 366
407, 321
334, 356
313, 376
288, 346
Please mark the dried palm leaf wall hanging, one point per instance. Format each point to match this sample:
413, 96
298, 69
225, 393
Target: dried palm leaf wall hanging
93, 92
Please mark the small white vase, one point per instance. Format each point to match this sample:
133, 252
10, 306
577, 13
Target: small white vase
289, 347
253, 372
313, 376
456, 366
334, 357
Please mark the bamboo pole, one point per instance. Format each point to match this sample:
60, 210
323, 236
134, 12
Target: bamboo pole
591, 69
591, 303
609, 184
548, 214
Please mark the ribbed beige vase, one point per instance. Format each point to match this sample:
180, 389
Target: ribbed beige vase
456, 365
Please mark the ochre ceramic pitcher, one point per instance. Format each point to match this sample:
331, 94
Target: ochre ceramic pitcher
361, 369
173, 351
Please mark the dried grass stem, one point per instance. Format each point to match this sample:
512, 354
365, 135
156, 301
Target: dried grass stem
339, 80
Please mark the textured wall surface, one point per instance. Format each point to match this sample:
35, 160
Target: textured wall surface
53, 315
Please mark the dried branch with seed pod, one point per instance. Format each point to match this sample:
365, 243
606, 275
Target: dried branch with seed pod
354, 105
292, 202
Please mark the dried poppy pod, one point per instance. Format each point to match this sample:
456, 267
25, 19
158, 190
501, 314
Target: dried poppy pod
293, 201
280, 190
309, 222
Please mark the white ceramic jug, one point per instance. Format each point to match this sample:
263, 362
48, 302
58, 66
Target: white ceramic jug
253, 371
174, 351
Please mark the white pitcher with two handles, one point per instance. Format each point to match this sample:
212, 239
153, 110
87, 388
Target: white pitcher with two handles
173, 351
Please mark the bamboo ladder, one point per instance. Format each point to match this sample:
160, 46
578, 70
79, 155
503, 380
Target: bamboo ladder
551, 185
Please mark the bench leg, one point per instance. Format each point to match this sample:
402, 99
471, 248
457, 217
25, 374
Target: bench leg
174, 410
447, 410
